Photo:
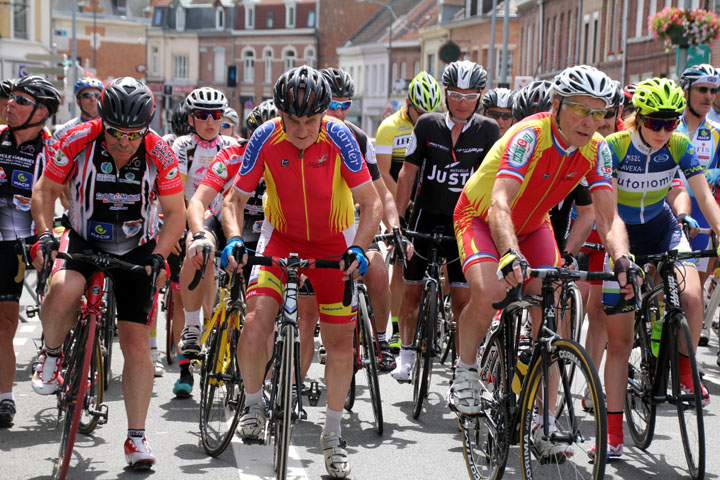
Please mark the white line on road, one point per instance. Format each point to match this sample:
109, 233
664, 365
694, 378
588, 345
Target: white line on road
19, 341
255, 462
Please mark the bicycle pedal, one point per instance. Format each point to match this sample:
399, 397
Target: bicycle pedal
32, 311
253, 441
101, 414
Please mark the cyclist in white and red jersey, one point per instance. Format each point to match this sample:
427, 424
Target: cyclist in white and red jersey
117, 170
87, 92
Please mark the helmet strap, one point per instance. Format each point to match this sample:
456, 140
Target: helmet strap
27, 123
557, 119
689, 103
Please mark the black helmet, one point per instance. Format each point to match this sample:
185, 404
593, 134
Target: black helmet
179, 121
6, 88
341, 83
464, 74
261, 114
41, 90
316, 92
531, 99
127, 103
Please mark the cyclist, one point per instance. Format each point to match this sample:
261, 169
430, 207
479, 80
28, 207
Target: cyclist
391, 140
713, 115
448, 147
229, 123
533, 98
121, 167
651, 149
628, 107
498, 105
25, 148
536, 164
179, 124
5, 91
195, 152
311, 164
87, 92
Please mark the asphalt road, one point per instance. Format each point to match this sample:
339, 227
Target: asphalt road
430, 447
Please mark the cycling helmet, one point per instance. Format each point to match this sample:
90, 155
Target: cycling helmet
464, 74
629, 91
179, 121
703, 73
498, 97
231, 115
341, 83
41, 90
206, 98
6, 87
619, 96
127, 103
584, 80
87, 82
531, 99
424, 92
261, 114
316, 94
659, 97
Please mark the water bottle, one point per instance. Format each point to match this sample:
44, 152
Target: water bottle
524, 356
655, 336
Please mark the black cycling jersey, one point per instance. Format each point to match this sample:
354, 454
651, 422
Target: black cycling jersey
560, 214
367, 149
444, 168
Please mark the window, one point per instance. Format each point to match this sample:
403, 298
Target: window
219, 65
431, 64
20, 19
403, 70
571, 36
374, 80
249, 16
120, 6
289, 15
596, 36
154, 59
394, 72
180, 19
586, 34
180, 67
639, 17
311, 18
471, 7
219, 18
248, 66
267, 56
289, 59
417, 68
270, 20
159, 15
310, 57
553, 66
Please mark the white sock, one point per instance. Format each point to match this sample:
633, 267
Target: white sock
7, 396
466, 366
332, 422
253, 398
153, 343
192, 319
406, 355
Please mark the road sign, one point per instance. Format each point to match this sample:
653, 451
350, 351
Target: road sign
41, 70
45, 57
521, 81
248, 105
695, 56
22, 71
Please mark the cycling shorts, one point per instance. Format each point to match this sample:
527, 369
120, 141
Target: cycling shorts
13, 271
595, 258
134, 287
538, 247
213, 225
414, 271
327, 283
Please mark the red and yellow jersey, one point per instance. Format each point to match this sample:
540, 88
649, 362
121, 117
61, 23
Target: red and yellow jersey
532, 153
309, 196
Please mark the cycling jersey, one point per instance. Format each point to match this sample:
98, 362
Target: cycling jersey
113, 208
444, 167
20, 167
61, 130
706, 142
392, 138
713, 117
169, 138
644, 175
561, 214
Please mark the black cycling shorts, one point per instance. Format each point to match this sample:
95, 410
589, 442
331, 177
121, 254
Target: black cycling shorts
213, 225
12, 272
131, 288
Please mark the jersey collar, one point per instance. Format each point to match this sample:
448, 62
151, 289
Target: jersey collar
641, 146
450, 124
558, 143
203, 144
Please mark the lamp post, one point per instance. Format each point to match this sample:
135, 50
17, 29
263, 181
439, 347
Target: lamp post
394, 18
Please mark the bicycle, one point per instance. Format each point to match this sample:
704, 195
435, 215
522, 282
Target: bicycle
508, 418
425, 342
648, 375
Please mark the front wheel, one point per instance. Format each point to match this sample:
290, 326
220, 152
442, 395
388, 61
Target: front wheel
282, 410
369, 361
95, 391
425, 344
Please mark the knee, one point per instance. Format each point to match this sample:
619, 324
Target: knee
256, 330
619, 348
340, 345
135, 349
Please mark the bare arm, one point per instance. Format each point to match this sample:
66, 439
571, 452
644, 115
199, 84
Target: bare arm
389, 209
581, 228
499, 215
233, 212
679, 200
199, 202
406, 179
173, 207
705, 200
609, 224
384, 161
42, 206
370, 212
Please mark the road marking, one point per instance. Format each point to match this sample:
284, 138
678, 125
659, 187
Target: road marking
19, 341
27, 328
255, 462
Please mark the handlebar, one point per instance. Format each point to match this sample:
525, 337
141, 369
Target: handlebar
396, 238
200, 274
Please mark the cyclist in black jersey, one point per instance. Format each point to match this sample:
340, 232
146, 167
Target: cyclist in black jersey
5, 91
446, 149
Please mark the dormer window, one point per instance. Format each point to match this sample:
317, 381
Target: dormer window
290, 14
249, 16
220, 18
180, 19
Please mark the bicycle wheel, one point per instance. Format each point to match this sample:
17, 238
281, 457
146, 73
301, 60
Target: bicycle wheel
486, 437
424, 341
689, 405
95, 391
640, 410
369, 360
447, 339
169, 305
282, 410
350, 399
221, 390
582, 430
107, 332
73, 392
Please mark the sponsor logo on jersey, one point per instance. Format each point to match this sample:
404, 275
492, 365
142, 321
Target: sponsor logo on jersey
220, 170
284, 162
322, 162
61, 159
470, 150
21, 203
520, 149
633, 158
106, 167
30, 149
100, 230
645, 181
131, 227
162, 152
455, 180
256, 142
345, 141
118, 198
401, 141
130, 178
3, 176
76, 135
104, 177
663, 157
172, 173
22, 179
411, 144
703, 134
437, 145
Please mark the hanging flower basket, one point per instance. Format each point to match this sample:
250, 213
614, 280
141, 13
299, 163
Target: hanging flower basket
684, 28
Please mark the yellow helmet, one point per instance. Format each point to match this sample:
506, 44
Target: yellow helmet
659, 96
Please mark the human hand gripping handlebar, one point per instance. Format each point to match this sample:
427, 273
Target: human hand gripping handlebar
200, 274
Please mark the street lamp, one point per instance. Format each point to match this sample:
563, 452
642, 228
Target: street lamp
394, 18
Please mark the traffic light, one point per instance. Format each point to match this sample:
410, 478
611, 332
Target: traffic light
232, 76
167, 89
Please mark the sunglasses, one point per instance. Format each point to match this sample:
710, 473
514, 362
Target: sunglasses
87, 95
705, 90
120, 134
22, 101
657, 124
496, 114
340, 105
459, 97
205, 114
226, 125
582, 110
611, 113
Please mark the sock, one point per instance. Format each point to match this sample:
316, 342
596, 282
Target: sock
684, 366
136, 433
406, 354
192, 319
7, 396
332, 422
466, 366
184, 364
253, 398
53, 352
615, 428
381, 337
153, 338
395, 328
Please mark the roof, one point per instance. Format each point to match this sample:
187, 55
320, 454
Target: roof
408, 27
377, 26
500, 11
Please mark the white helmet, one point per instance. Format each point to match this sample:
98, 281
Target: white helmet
585, 80
232, 115
498, 97
206, 98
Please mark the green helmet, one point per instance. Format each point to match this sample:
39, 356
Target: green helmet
659, 96
424, 92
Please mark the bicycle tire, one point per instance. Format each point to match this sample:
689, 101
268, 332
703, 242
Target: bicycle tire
580, 426
369, 360
570, 309
283, 403
640, 409
95, 392
73, 393
169, 305
447, 341
486, 437
425, 342
688, 405
108, 333
350, 398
